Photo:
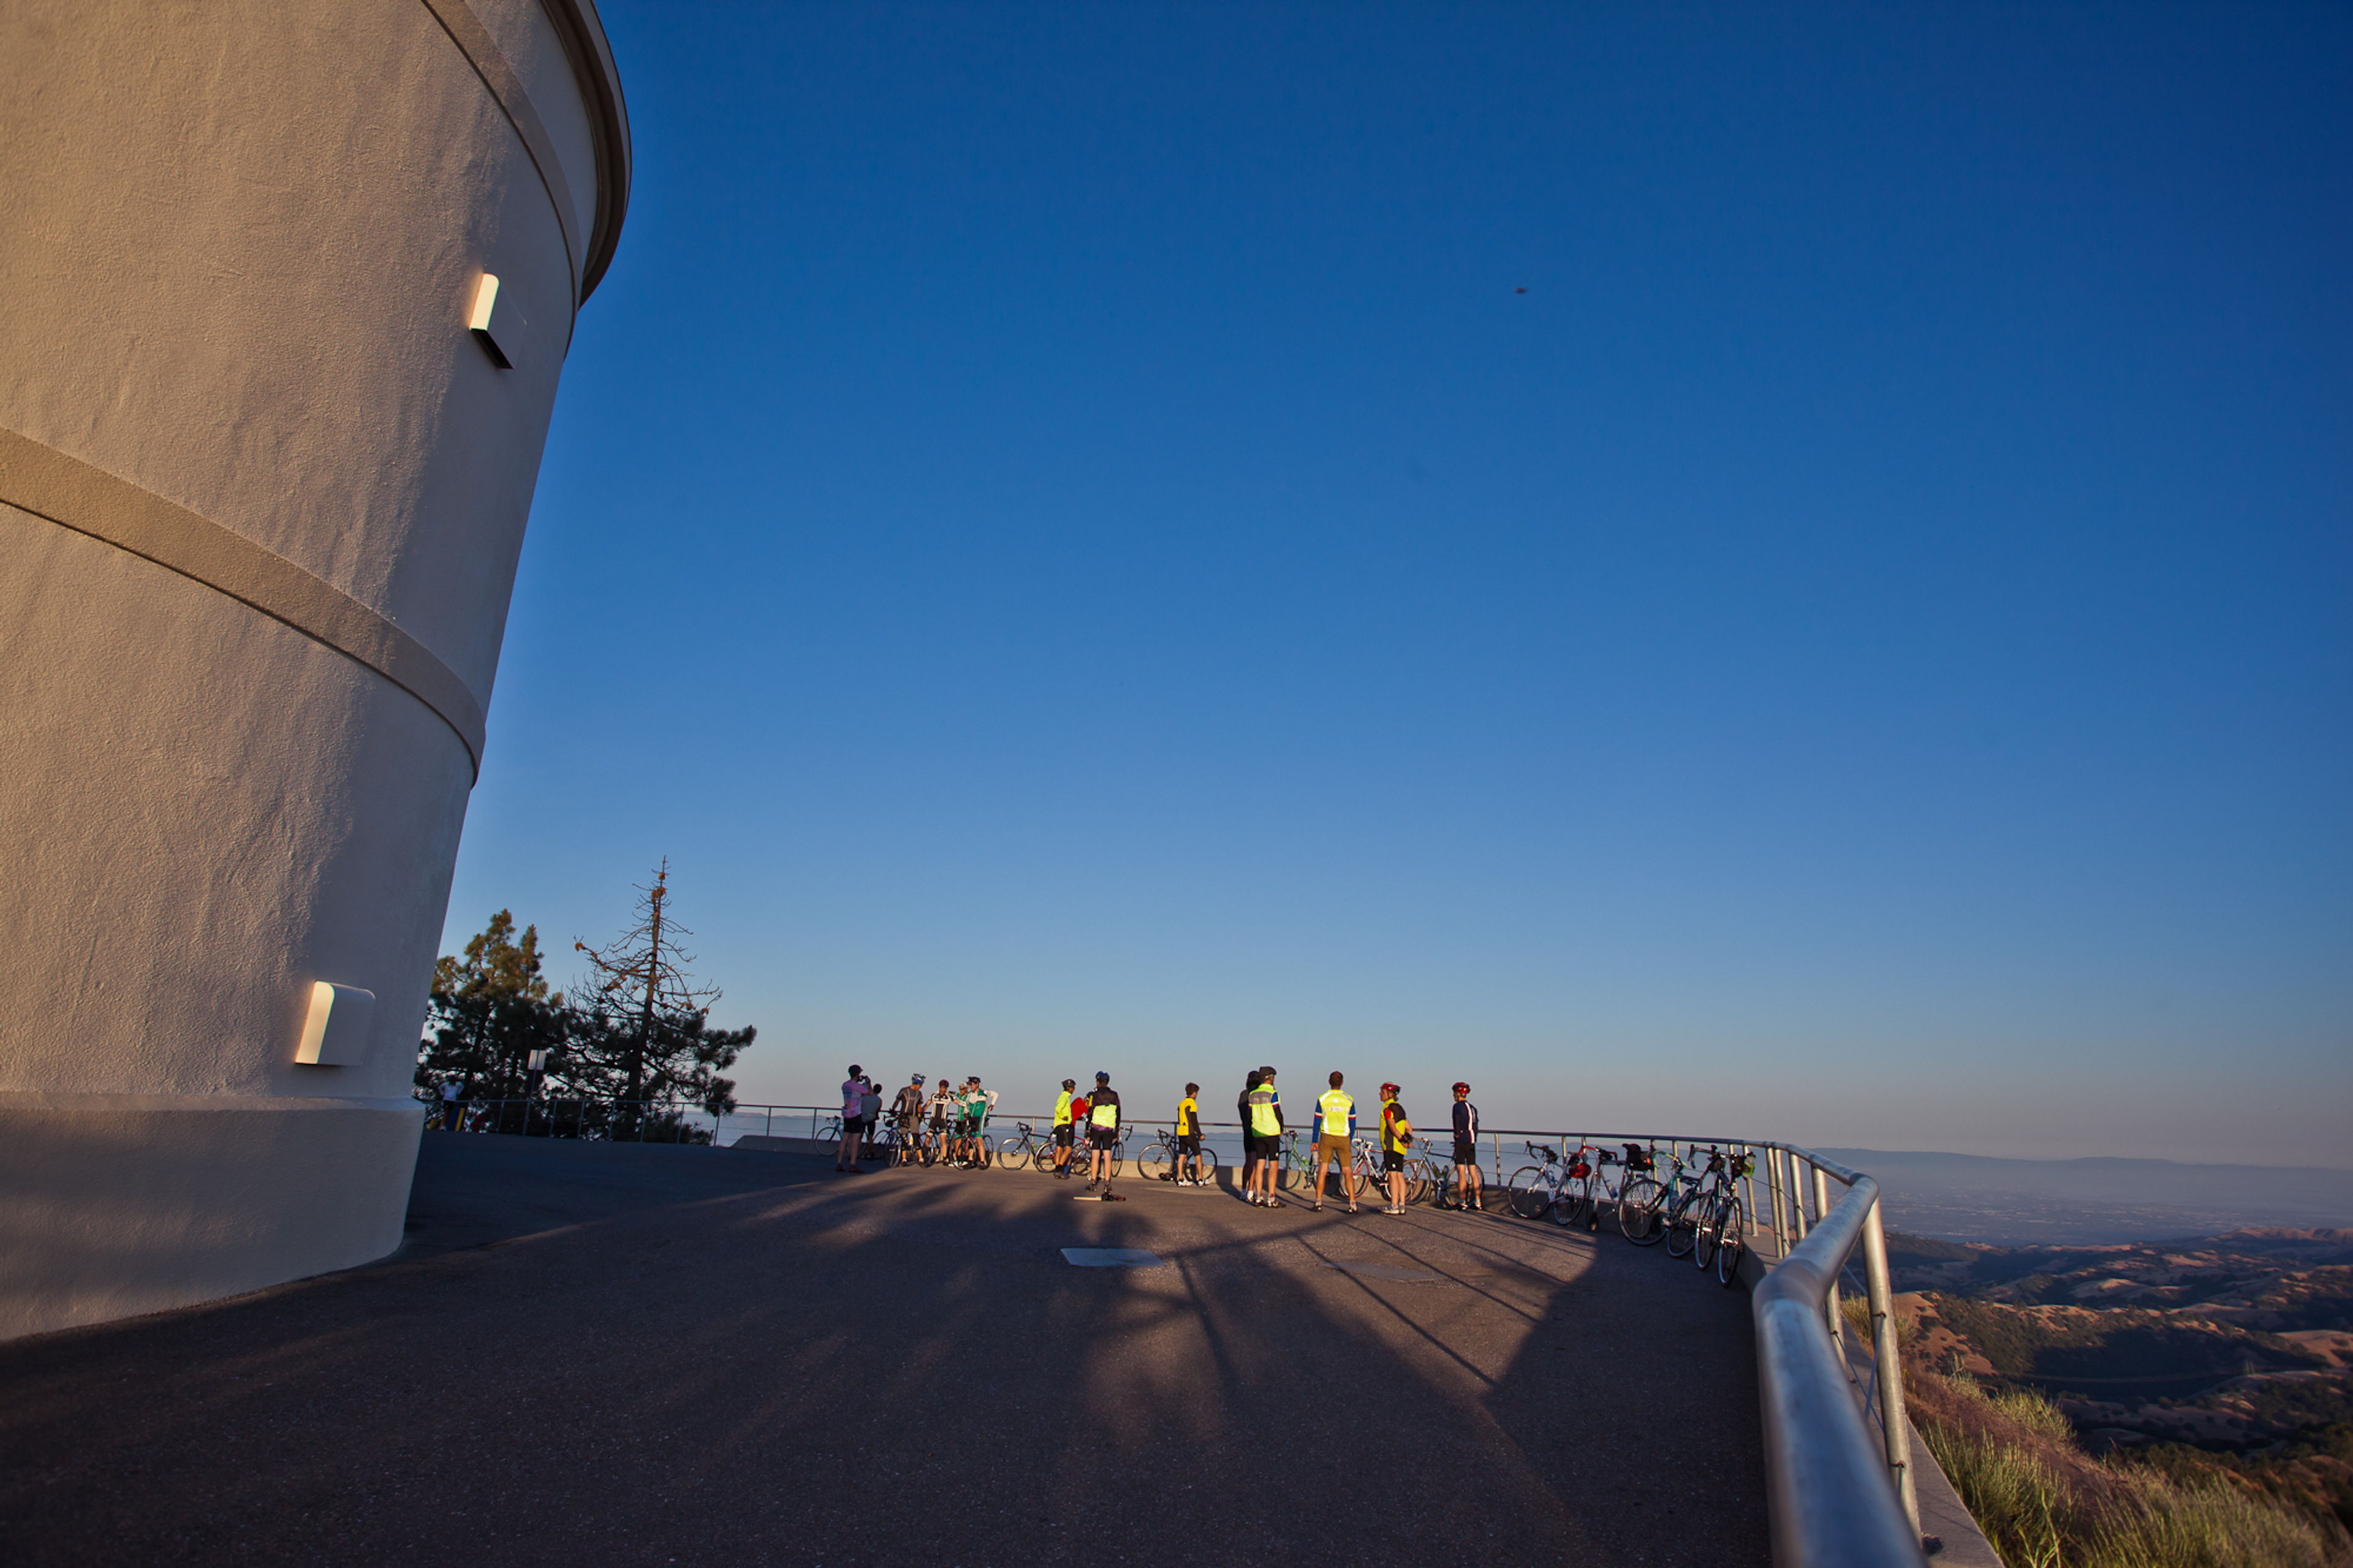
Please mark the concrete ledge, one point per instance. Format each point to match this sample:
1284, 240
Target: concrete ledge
112, 1206
756, 1143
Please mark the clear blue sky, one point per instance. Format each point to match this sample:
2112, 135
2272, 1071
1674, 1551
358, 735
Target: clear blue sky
1062, 526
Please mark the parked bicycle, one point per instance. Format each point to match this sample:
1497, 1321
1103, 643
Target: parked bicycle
1722, 1235
1429, 1175
1026, 1148
1164, 1158
1532, 1189
1622, 1182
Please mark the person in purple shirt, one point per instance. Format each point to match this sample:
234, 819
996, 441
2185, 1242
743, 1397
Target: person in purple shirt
853, 1120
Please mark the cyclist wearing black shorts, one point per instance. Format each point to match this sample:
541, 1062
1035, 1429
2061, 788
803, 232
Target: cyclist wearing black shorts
1188, 1137
1397, 1137
1103, 1129
1466, 1150
1065, 1126
907, 1113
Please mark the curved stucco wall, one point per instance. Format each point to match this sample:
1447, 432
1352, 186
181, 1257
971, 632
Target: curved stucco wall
261, 497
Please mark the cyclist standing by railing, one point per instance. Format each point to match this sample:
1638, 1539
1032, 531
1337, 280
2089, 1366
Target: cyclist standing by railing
1064, 1123
907, 1114
1103, 1129
1397, 1137
1336, 1125
974, 1120
1189, 1136
943, 1098
1265, 1123
870, 1111
853, 1110
1466, 1152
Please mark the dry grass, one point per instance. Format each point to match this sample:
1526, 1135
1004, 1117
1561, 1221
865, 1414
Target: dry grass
2045, 1503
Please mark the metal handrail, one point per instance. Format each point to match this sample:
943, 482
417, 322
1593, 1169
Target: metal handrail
1832, 1501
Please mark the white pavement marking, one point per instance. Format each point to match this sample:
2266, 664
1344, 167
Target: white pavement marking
1111, 1257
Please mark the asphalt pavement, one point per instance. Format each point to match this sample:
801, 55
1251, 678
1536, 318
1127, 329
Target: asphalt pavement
599, 1353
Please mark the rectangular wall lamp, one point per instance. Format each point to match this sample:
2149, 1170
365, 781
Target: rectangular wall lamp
335, 1032
477, 321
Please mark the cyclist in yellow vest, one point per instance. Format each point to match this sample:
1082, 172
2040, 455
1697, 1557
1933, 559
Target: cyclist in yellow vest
1335, 1124
1266, 1129
1064, 1126
1188, 1137
1103, 1129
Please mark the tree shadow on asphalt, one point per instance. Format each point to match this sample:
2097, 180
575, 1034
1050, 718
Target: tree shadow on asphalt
633, 1355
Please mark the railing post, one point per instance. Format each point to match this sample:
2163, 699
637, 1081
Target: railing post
1892, 1424
1798, 1226
1748, 1198
1773, 1190
1837, 1318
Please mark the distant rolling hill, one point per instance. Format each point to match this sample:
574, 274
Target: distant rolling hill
1973, 1197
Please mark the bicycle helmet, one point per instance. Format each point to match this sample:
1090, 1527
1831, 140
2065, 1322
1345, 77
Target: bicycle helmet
1102, 1077
1461, 1089
1391, 1092
919, 1078
1070, 1083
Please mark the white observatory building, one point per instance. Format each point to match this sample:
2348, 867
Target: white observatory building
285, 290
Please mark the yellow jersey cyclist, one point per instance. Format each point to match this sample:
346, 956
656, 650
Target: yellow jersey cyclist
1065, 1125
1102, 1130
1336, 1130
1188, 1137
1262, 1114
1397, 1137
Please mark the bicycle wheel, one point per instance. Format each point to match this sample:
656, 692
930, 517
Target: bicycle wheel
1681, 1226
1525, 1192
1118, 1157
1731, 1241
1711, 1214
1014, 1153
1638, 1211
1154, 1162
1574, 1200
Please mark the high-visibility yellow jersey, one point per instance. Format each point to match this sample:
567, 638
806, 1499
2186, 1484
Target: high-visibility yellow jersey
1103, 1109
1263, 1120
1333, 1107
1188, 1118
1397, 1132
1063, 1110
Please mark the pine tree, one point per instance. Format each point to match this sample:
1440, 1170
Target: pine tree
490, 1011
642, 1031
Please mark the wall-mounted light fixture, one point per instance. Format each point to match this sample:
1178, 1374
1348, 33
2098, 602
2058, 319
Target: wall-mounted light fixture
477, 321
335, 1032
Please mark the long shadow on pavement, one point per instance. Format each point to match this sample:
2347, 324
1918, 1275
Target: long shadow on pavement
604, 1353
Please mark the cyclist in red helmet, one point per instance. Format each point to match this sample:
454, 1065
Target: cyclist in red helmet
1397, 1137
1466, 1150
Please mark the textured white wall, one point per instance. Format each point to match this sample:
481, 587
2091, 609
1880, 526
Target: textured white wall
238, 241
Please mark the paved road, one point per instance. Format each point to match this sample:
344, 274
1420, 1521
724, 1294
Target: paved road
607, 1354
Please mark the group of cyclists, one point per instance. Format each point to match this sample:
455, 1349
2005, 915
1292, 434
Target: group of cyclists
951, 1124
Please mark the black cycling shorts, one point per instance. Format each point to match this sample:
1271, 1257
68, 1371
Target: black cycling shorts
1393, 1161
1065, 1133
1189, 1143
852, 1124
1102, 1137
1466, 1155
